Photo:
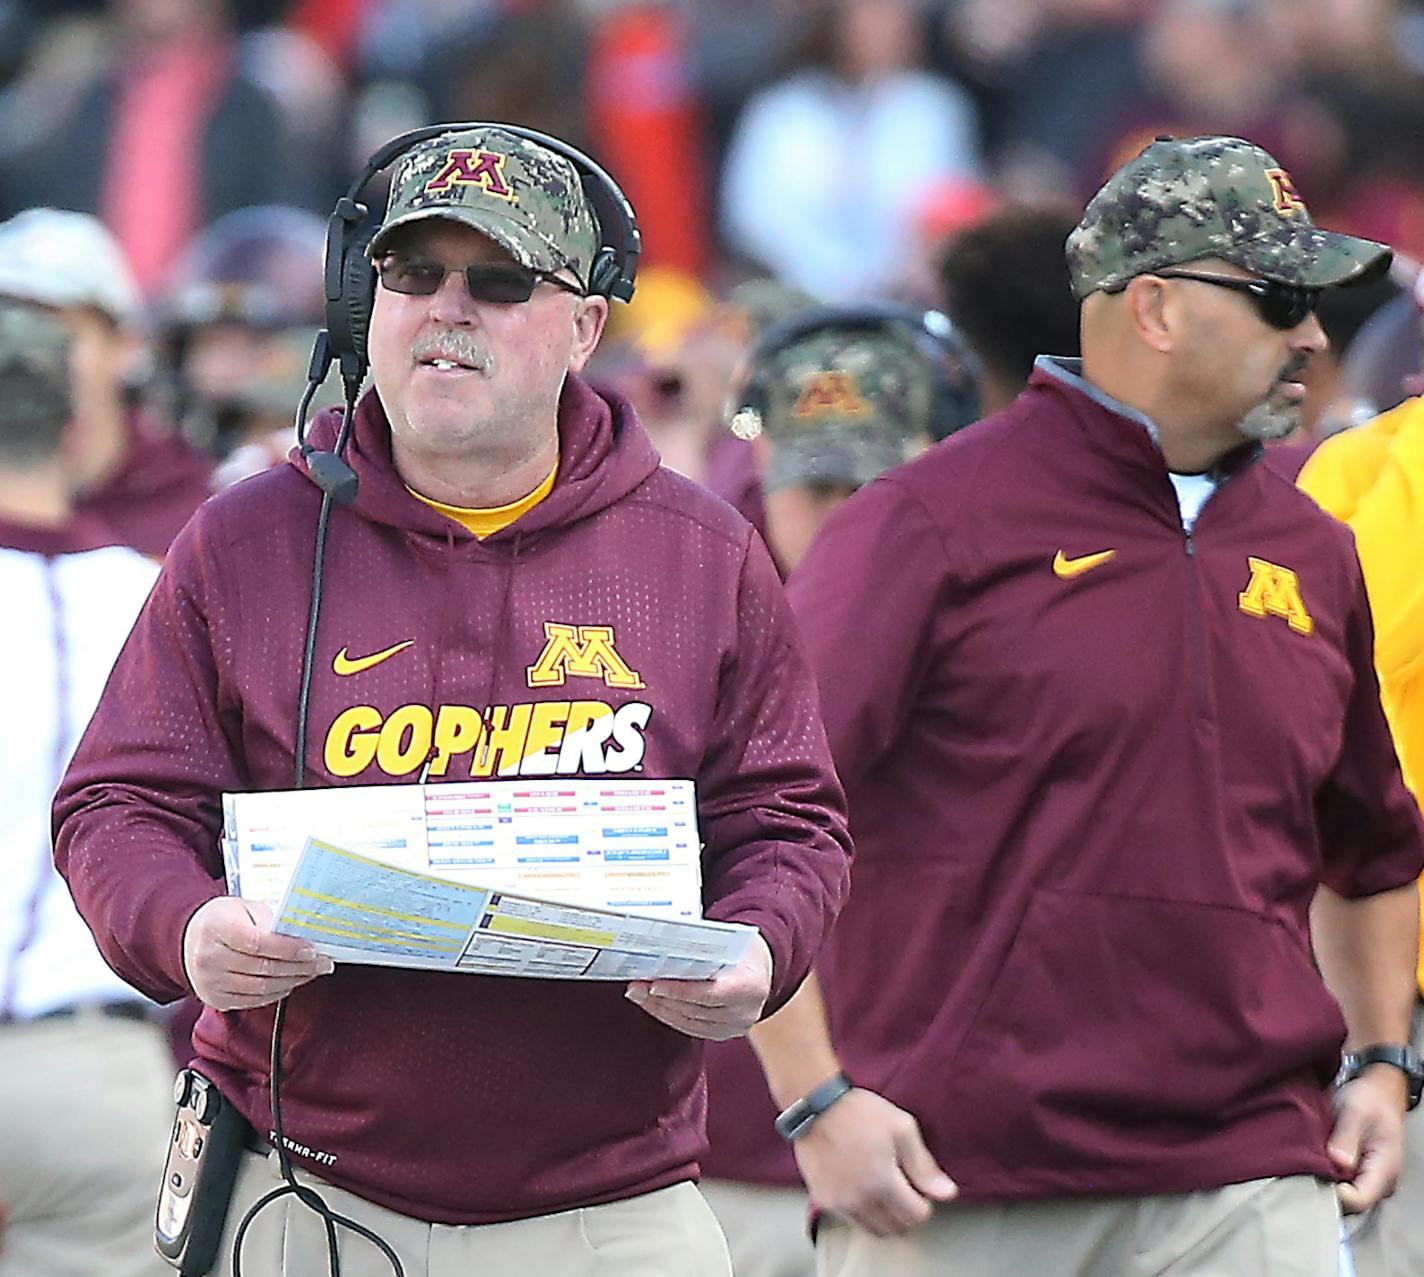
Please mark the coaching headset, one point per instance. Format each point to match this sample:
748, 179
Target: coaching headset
349, 279
954, 402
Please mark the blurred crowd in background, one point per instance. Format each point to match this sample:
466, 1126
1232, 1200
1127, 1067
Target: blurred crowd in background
839, 146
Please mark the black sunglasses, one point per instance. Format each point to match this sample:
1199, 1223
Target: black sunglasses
1283, 306
500, 282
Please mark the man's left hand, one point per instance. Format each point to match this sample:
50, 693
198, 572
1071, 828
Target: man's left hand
1367, 1144
725, 1006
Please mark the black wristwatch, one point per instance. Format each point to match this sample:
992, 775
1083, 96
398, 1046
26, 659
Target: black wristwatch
1404, 1058
793, 1122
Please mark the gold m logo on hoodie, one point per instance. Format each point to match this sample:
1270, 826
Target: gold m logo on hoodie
581, 651
1274, 591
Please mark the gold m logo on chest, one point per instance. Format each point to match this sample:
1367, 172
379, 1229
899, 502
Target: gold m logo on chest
1275, 591
581, 651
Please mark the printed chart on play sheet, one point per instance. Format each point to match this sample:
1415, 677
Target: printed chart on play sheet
613, 844
357, 909
263, 833
610, 844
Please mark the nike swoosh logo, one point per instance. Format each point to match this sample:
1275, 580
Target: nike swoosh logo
1068, 568
343, 664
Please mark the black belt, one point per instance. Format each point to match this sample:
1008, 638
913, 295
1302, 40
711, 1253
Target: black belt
125, 1010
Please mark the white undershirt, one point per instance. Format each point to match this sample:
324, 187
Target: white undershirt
1192, 493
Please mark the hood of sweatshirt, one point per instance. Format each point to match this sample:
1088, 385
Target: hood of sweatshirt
604, 453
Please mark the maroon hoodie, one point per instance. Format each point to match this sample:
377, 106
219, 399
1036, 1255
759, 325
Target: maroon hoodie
457, 1098
1092, 797
160, 481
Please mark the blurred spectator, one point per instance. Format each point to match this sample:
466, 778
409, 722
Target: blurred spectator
85, 1081
1342, 313
165, 139
737, 47
1354, 135
1046, 73
825, 167
642, 109
237, 324
1384, 363
1005, 287
941, 213
1208, 71
139, 479
659, 355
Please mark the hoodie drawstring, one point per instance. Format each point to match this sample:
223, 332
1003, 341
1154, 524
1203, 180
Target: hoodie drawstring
442, 617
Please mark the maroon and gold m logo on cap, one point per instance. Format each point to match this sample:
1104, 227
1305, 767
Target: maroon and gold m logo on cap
830, 391
484, 169
1284, 196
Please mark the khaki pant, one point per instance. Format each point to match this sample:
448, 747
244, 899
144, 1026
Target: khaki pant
766, 1228
1266, 1228
86, 1106
668, 1233
1390, 1241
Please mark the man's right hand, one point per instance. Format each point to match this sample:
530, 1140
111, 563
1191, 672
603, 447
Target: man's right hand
864, 1160
234, 960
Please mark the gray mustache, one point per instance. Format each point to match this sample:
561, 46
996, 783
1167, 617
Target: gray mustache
453, 345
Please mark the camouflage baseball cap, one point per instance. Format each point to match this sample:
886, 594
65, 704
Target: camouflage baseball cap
1180, 200
34, 368
526, 198
841, 404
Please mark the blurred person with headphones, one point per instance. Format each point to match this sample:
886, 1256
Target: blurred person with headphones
85, 1078
132, 471
492, 537
235, 324
831, 398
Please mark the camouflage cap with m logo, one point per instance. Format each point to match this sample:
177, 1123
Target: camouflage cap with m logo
526, 198
1181, 200
841, 404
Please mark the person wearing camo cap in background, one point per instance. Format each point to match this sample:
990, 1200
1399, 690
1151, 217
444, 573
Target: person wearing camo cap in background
831, 398
518, 590
1099, 686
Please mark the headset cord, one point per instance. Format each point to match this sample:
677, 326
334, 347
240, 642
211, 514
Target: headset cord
309, 1197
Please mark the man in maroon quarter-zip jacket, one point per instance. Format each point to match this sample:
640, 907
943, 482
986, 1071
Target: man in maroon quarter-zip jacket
519, 589
1099, 687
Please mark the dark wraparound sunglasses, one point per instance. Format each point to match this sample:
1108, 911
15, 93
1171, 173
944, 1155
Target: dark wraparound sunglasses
500, 282
1283, 306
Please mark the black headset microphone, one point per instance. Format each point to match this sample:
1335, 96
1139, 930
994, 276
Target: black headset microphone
349, 280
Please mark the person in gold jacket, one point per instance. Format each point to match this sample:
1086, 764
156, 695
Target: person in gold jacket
1372, 477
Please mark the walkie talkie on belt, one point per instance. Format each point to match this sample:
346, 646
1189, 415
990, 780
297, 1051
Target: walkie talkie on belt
209, 1135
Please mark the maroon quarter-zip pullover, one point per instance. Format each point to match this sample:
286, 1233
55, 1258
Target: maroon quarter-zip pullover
1096, 767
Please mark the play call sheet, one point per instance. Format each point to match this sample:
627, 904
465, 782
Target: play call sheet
584, 879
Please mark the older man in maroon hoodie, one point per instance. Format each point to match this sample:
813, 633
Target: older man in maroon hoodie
520, 581
1099, 686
